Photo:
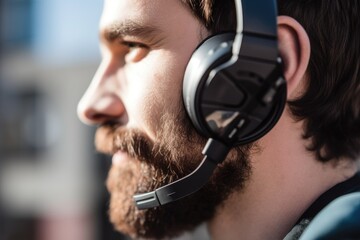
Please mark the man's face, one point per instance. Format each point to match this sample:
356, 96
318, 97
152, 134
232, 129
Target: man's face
136, 98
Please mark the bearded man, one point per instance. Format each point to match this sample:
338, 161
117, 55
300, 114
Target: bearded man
263, 189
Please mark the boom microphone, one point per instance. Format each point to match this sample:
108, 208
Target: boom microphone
214, 151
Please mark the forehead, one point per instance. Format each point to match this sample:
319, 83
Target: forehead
155, 12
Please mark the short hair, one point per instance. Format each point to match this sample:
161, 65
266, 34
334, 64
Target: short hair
330, 106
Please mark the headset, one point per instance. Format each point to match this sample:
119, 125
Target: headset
234, 92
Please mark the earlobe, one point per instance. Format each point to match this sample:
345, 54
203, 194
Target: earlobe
294, 47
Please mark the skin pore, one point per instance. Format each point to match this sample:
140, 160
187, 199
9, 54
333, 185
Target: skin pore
259, 191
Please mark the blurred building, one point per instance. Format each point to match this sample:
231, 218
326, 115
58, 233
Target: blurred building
50, 176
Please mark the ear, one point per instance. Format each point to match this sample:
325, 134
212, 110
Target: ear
294, 47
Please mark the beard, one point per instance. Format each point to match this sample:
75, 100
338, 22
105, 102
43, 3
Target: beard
175, 153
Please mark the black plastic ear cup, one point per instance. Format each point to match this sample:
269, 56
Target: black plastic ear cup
235, 100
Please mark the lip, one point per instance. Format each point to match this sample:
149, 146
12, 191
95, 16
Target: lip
119, 158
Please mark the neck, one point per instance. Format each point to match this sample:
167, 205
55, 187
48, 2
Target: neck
286, 179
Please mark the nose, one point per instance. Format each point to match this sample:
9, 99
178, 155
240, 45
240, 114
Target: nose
101, 102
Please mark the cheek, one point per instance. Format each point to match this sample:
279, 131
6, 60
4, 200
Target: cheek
158, 91
155, 89
171, 79
143, 107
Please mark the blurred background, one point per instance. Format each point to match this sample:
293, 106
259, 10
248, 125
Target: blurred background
51, 179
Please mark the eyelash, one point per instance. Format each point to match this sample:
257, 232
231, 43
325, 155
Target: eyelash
132, 45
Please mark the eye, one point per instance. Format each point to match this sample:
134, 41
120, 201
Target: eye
135, 51
132, 45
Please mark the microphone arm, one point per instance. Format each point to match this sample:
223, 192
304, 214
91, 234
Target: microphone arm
214, 151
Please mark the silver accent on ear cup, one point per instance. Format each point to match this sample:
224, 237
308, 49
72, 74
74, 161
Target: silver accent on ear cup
239, 27
239, 17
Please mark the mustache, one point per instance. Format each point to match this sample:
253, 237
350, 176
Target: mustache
110, 138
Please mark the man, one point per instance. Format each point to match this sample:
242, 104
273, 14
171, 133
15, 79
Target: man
262, 189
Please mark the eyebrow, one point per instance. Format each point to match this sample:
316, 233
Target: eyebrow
119, 30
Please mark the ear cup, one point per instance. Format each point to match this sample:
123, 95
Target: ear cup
234, 100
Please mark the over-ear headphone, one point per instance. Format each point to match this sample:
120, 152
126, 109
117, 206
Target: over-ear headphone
233, 87
234, 92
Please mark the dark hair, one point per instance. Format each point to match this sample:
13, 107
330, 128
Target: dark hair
216, 15
330, 105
